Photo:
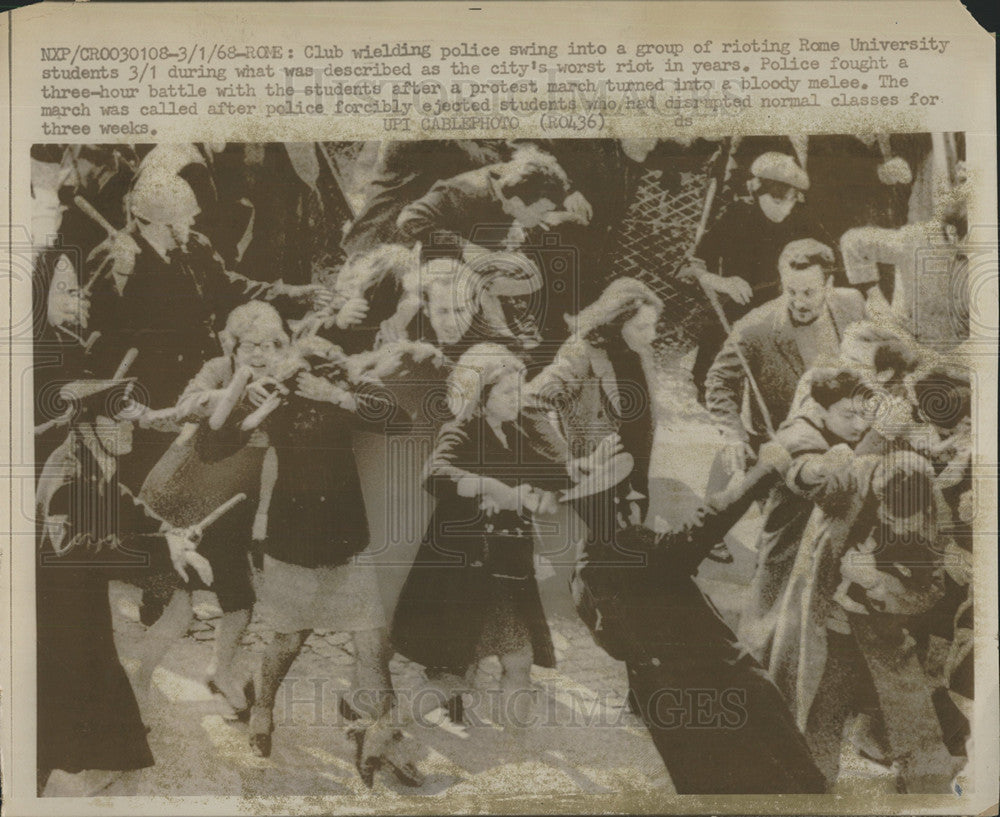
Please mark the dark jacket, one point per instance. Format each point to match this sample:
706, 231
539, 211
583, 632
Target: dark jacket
456, 210
715, 718
466, 557
405, 172
746, 243
317, 514
87, 713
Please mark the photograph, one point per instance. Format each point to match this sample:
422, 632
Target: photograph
510, 467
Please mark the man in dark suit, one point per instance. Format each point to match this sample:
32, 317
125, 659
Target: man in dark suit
777, 342
717, 721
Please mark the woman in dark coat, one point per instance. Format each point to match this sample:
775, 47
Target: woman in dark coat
316, 524
91, 530
471, 591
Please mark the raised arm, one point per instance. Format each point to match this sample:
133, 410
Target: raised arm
436, 211
724, 389
205, 389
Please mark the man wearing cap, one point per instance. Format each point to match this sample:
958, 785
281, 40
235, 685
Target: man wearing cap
91, 530
774, 345
737, 258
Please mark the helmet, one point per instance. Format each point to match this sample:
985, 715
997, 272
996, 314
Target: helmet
160, 196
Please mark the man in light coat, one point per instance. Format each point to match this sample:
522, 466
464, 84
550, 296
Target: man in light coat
776, 343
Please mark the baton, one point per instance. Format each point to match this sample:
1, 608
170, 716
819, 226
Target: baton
89, 344
91, 212
713, 299
123, 367
126, 364
219, 512
261, 413
61, 420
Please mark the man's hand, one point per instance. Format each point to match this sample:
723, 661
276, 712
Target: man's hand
774, 455
68, 305
468, 487
498, 496
313, 387
320, 296
577, 205
966, 507
527, 498
352, 313
576, 210
836, 465
894, 171
694, 269
844, 600
736, 288
70, 309
958, 563
578, 468
548, 503
182, 543
490, 505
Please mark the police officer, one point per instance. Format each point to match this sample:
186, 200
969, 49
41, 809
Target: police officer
91, 530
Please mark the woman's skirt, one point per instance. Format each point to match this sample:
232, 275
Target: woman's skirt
342, 599
450, 615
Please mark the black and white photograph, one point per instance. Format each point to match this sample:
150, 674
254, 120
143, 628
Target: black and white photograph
532, 467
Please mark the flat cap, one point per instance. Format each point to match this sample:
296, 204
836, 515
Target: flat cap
780, 167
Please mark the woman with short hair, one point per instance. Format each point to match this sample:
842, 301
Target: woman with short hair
472, 592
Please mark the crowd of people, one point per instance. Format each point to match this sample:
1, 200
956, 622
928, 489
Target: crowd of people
201, 396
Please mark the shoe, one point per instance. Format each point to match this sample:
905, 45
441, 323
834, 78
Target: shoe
261, 727
260, 744
884, 762
406, 771
721, 554
366, 766
238, 714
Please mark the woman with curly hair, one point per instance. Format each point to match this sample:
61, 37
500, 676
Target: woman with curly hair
211, 460
472, 592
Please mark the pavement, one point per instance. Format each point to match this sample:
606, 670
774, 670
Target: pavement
586, 743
